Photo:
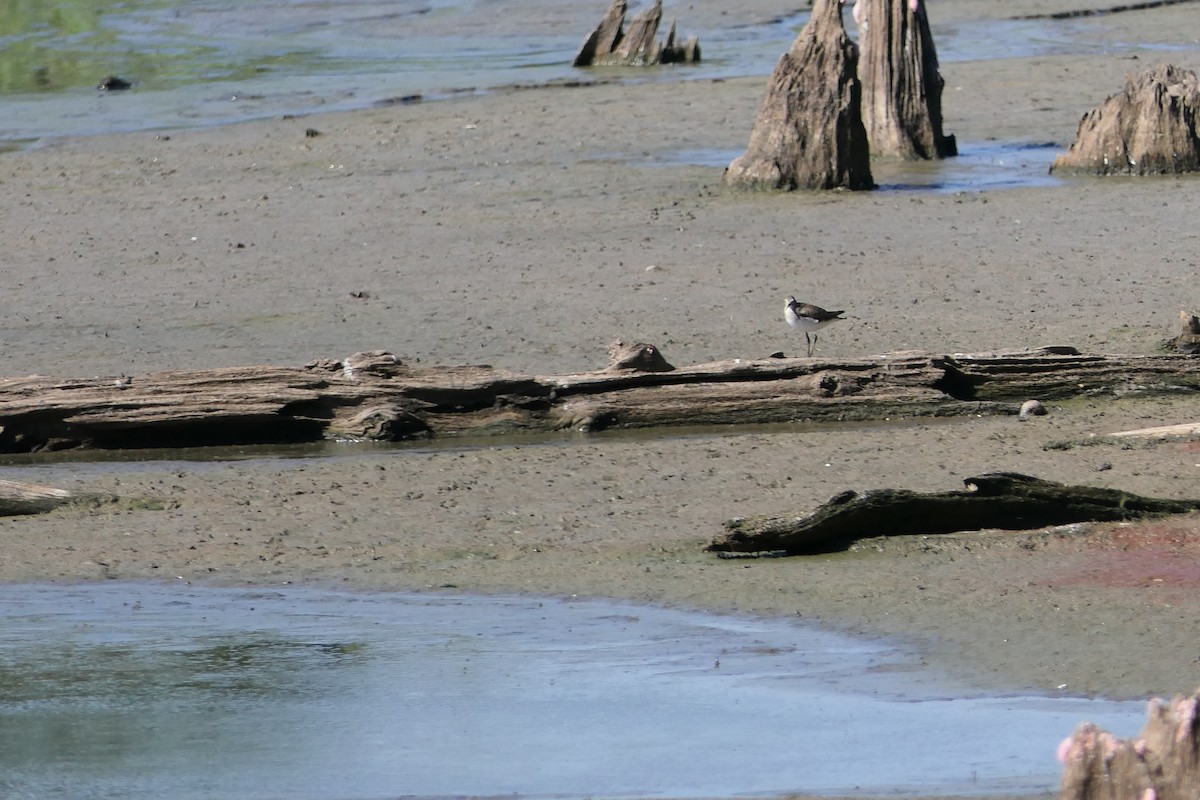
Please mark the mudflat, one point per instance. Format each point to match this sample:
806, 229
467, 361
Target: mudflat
528, 228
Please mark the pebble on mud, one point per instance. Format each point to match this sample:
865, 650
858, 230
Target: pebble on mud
1031, 408
113, 83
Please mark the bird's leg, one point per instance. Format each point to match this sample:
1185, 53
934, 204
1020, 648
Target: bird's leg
808, 339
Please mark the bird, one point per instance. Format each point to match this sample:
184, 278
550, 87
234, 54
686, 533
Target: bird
808, 318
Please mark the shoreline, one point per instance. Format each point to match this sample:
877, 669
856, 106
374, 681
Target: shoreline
605, 517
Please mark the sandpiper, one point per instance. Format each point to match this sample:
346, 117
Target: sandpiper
808, 317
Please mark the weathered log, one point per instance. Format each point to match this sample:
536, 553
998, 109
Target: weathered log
1160, 764
611, 44
1058, 373
809, 132
374, 395
17, 497
1001, 500
901, 84
1150, 128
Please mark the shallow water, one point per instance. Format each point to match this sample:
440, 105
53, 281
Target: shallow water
206, 62
978, 166
151, 691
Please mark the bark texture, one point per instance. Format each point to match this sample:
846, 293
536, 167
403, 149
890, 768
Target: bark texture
1163, 763
901, 84
1001, 500
809, 133
374, 395
1150, 128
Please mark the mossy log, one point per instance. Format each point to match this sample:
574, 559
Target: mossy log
1002, 500
375, 396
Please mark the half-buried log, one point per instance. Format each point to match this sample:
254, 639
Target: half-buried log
374, 395
901, 84
1002, 500
17, 497
809, 133
1160, 764
1150, 128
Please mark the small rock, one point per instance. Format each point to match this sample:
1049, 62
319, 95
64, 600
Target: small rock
112, 83
636, 357
1031, 408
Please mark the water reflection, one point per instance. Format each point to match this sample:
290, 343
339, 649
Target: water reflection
146, 691
979, 166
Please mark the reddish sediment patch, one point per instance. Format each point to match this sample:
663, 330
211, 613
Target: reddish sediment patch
1142, 555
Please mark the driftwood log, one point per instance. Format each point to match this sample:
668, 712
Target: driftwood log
809, 132
1160, 432
901, 84
375, 396
17, 497
1001, 500
1160, 764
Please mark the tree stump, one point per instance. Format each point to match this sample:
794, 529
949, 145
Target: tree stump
902, 87
1150, 128
1161, 764
610, 44
809, 133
